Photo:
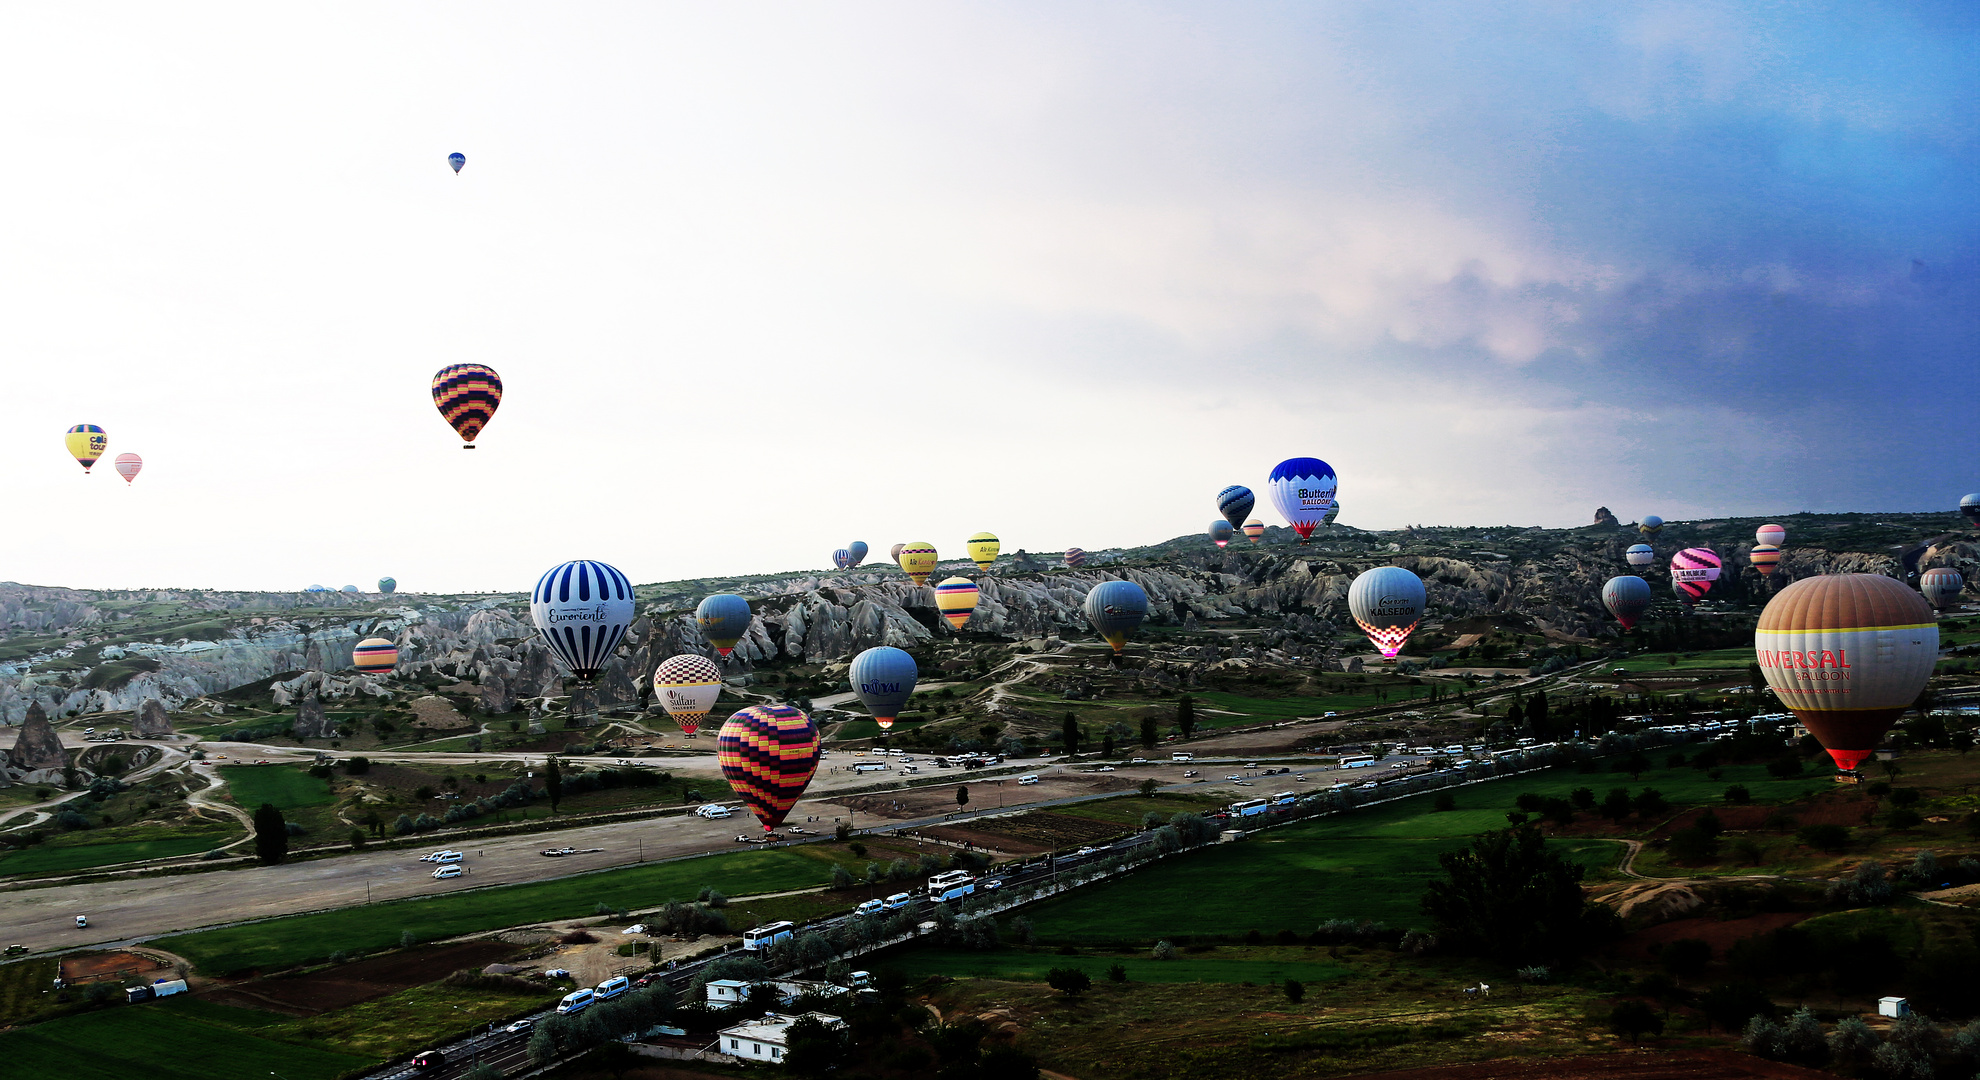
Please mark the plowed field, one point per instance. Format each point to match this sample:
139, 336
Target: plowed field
364, 980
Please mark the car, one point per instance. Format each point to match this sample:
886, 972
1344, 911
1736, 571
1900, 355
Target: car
871, 907
993, 883
1106, 768
1250, 764
520, 1026
1139, 761
1301, 777
551, 853
1242, 783
1234, 776
636, 928
428, 1059
82, 921
1086, 851
1189, 774
447, 872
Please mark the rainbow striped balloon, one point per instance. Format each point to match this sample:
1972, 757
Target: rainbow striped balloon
768, 754
956, 599
375, 655
1254, 530
1765, 557
467, 396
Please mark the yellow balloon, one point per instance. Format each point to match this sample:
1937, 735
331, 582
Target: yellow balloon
918, 559
87, 442
983, 549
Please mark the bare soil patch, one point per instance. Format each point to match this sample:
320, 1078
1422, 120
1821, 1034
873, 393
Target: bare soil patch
108, 965
983, 793
439, 714
1720, 934
1028, 834
363, 980
1634, 1065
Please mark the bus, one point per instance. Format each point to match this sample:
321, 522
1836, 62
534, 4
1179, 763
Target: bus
1357, 761
953, 884
1249, 807
1282, 799
767, 935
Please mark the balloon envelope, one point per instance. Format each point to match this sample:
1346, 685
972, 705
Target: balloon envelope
1969, 505
86, 442
582, 609
842, 558
1220, 532
883, 677
687, 685
1765, 557
1770, 535
1640, 555
1651, 525
457, 159
1627, 597
1254, 530
1303, 490
1386, 602
1848, 653
768, 754
1116, 608
1693, 571
128, 466
956, 599
918, 561
894, 553
348, 589
374, 655
386, 585
467, 396
1075, 557
983, 549
1941, 586
724, 619
858, 551
1235, 503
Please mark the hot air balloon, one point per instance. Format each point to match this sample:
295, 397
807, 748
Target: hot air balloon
386, 585
1386, 602
1770, 536
768, 753
895, 553
724, 619
1303, 490
883, 677
582, 609
1693, 571
858, 550
467, 396
918, 560
1764, 557
349, 589
87, 442
1220, 532
983, 549
1235, 503
687, 686
1640, 555
1651, 525
1627, 597
1969, 505
1848, 653
842, 558
375, 655
1116, 608
1075, 557
458, 159
128, 466
956, 598
1333, 512
1941, 586
1254, 530
316, 588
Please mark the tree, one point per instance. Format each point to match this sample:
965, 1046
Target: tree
357, 839
553, 782
612, 1056
271, 835
1069, 732
1615, 805
1148, 786
1738, 795
1511, 898
1148, 733
1107, 745
1071, 982
1582, 798
962, 796
1694, 845
1635, 1019
1686, 957
1186, 715
1829, 838
812, 1048
1731, 1005
1295, 990
1117, 973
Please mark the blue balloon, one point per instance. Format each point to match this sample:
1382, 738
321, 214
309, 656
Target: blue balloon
1303, 490
858, 550
1221, 532
582, 609
883, 678
724, 619
842, 558
316, 588
457, 159
348, 588
1116, 608
1235, 503
386, 584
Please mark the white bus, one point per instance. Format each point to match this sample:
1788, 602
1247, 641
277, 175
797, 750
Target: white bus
767, 935
1249, 807
1357, 761
1182, 755
1282, 799
953, 884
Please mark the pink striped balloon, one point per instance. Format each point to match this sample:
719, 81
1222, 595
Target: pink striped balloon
128, 466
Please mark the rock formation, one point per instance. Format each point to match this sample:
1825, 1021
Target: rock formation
614, 689
311, 721
152, 723
38, 747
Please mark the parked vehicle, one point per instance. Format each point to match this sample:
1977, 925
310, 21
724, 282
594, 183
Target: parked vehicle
1182, 755
1087, 851
553, 974
993, 884
871, 907
520, 1026
949, 886
428, 1059
577, 1001
1027, 779
447, 872
712, 811
1189, 774
82, 921
449, 857
613, 987
896, 902
859, 980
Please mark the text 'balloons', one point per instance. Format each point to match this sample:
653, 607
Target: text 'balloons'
1303, 490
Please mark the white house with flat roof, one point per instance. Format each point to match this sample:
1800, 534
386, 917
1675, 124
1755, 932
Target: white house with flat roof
722, 993
766, 1040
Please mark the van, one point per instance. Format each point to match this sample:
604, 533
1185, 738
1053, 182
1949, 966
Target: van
428, 1059
576, 1000
613, 987
448, 857
871, 907
446, 872
896, 902
712, 811
1028, 778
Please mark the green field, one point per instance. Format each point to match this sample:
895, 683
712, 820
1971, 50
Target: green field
1260, 966
1288, 708
178, 1039
55, 857
1713, 660
281, 943
1128, 809
287, 788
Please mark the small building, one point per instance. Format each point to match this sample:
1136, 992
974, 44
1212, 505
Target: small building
1893, 1006
722, 993
766, 1040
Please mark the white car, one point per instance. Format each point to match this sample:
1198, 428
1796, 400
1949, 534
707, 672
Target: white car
1106, 768
82, 921
1234, 776
1139, 761
1086, 851
520, 1026
447, 872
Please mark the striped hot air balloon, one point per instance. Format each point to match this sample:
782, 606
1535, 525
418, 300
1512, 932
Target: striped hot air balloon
1627, 597
1075, 557
1254, 530
1693, 571
842, 558
1640, 555
582, 609
1235, 503
1386, 602
1116, 608
1303, 490
457, 160
1765, 558
467, 396
1941, 586
883, 677
1651, 525
375, 656
1848, 653
687, 685
86, 443
983, 549
918, 560
724, 619
128, 466
1220, 532
1969, 508
768, 754
956, 599
858, 550
1770, 535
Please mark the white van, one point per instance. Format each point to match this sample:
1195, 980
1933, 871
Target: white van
712, 811
448, 857
897, 901
1182, 755
613, 987
446, 872
871, 907
576, 1001
1028, 778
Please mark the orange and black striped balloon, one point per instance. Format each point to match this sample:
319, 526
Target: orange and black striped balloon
467, 396
768, 753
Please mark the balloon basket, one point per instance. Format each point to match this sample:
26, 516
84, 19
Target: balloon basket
467, 446
1848, 776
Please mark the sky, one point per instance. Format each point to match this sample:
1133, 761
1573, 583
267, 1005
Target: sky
765, 279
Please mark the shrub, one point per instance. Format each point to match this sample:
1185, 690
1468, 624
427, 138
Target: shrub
1071, 982
1903, 818
1295, 991
1117, 973
1635, 1019
1830, 838
1164, 951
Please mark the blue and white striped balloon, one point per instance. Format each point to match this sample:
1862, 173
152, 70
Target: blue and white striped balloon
582, 609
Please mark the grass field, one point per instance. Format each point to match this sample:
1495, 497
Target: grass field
179, 1039
287, 788
406, 1021
1712, 660
1287, 708
280, 943
55, 857
24, 989
1258, 965
1128, 809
